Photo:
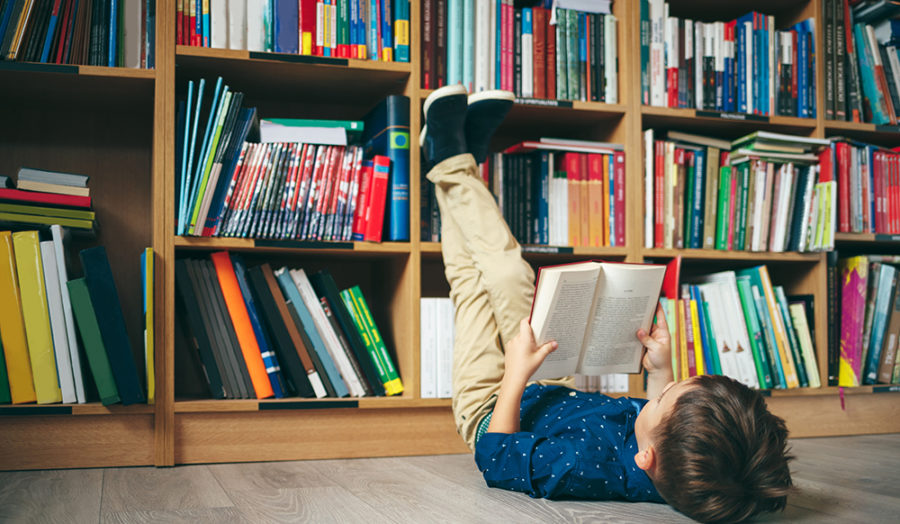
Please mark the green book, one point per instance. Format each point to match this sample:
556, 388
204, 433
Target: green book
60, 212
92, 341
5, 398
40, 219
689, 171
356, 303
754, 330
715, 366
210, 157
562, 83
793, 342
740, 212
573, 74
722, 215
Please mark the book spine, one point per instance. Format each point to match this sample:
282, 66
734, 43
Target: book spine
394, 385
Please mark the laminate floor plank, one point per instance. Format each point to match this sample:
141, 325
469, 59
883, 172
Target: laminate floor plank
161, 489
181, 516
51, 496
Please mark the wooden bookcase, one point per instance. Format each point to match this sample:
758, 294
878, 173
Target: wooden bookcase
118, 126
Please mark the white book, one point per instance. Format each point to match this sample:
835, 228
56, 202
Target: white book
657, 53
468, 44
527, 54
700, 40
256, 25
58, 244
483, 45
218, 24
748, 66
132, 33
490, 50
671, 48
427, 348
593, 310
719, 49
272, 132
236, 14
729, 327
649, 177
603, 7
611, 64
806, 202
57, 323
758, 179
445, 349
332, 344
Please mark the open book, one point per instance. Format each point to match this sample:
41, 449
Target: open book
593, 310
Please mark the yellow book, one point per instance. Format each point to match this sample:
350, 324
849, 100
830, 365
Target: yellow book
30, 270
682, 340
784, 350
147, 268
698, 341
12, 326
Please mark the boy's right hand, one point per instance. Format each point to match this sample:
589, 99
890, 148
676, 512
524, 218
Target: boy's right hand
523, 355
658, 358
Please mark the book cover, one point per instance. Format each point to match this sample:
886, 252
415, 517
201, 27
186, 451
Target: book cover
854, 278
357, 305
12, 326
92, 341
375, 202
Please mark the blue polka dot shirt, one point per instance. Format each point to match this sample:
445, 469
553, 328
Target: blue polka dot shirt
571, 445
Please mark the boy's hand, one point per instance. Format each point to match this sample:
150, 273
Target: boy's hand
524, 356
658, 357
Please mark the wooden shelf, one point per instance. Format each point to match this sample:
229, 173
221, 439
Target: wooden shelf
92, 408
888, 136
540, 250
715, 254
75, 84
834, 391
864, 239
725, 125
325, 248
299, 404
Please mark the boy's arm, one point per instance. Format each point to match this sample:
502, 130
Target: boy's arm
658, 358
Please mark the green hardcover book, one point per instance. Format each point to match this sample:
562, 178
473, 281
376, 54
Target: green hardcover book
722, 214
368, 342
5, 398
562, 66
60, 212
689, 171
573, 73
757, 339
40, 219
92, 341
394, 385
740, 219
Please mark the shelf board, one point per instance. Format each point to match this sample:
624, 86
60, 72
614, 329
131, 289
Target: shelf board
331, 248
289, 404
834, 391
883, 135
91, 408
540, 250
75, 84
863, 239
716, 254
732, 124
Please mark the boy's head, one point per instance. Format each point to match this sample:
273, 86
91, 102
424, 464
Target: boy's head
713, 450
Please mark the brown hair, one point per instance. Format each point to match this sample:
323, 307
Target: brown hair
721, 456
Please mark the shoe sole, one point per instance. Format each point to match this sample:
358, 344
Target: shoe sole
451, 90
494, 94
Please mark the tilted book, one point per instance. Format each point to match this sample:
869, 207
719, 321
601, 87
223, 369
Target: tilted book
593, 310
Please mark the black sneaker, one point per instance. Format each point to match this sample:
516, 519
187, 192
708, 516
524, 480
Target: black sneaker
486, 112
445, 114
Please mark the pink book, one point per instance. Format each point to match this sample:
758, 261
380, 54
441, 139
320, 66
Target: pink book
854, 283
619, 162
509, 40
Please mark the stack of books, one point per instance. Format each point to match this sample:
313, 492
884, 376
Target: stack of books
861, 61
552, 191
45, 314
762, 192
868, 180
361, 29
869, 321
557, 50
42, 197
739, 66
261, 333
85, 32
738, 324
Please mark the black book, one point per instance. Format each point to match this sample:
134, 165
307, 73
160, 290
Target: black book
324, 286
291, 365
105, 297
215, 333
198, 337
840, 52
888, 73
598, 45
36, 31
829, 59
529, 222
313, 355
854, 89
805, 181
517, 53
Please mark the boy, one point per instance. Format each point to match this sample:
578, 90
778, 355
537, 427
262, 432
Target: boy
708, 445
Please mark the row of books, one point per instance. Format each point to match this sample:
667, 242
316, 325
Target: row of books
608, 383
436, 347
740, 66
557, 50
261, 333
861, 62
869, 320
238, 176
361, 29
45, 314
868, 180
111, 33
738, 324
762, 192
42, 197
552, 192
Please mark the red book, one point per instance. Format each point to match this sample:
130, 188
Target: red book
619, 165
440, 46
895, 194
659, 190
179, 22
595, 192
381, 168
550, 59
571, 164
192, 22
585, 205
429, 27
63, 30
539, 28
38, 197
842, 154
506, 27
362, 201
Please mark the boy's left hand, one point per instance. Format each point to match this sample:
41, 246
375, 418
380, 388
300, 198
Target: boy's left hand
524, 356
658, 357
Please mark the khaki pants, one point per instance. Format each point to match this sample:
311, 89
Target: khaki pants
490, 285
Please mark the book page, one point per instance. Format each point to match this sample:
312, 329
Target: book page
626, 299
561, 309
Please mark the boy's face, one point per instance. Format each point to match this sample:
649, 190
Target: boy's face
656, 410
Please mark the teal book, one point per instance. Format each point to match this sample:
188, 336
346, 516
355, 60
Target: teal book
455, 41
714, 362
92, 341
765, 323
874, 98
886, 287
401, 30
793, 340
468, 45
5, 397
756, 335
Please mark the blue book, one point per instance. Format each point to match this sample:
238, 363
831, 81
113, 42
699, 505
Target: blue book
318, 345
151, 33
218, 97
229, 164
611, 184
727, 87
645, 52
51, 29
286, 20
886, 287
354, 26
273, 370
803, 77
546, 171
697, 202
468, 45
387, 133
205, 24
401, 30
765, 322
373, 43
455, 41
113, 32
387, 34
867, 74
188, 163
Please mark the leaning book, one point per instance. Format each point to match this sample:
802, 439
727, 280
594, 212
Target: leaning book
593, 310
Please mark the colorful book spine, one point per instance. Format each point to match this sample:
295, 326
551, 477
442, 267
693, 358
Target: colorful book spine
359, 309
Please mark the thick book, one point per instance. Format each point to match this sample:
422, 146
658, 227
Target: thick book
105, 298
92, 341
12, 326
387, 134
593, 310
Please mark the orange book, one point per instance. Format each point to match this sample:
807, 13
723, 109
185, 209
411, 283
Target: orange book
595, 195
571, 164
237, 310
583, 176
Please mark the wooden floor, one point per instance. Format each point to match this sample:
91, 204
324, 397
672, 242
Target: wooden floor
849, 479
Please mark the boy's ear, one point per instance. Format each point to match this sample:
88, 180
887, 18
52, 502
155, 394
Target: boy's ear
646, 459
